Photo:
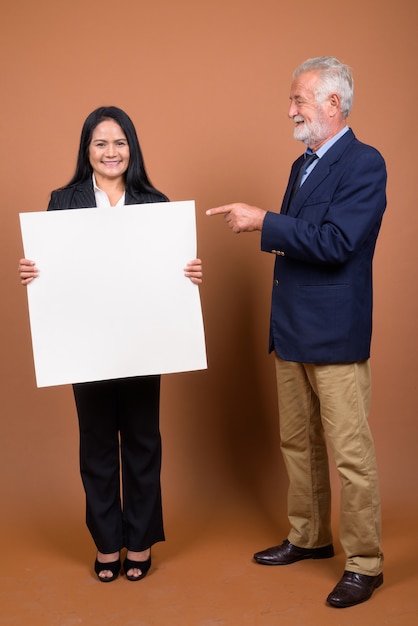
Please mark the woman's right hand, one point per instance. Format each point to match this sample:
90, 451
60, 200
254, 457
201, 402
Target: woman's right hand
27, 271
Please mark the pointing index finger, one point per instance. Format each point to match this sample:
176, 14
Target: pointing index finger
226, 208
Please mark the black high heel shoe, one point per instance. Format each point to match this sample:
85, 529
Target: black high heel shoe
142, 565
114, 567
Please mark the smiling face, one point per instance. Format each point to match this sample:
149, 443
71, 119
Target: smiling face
108, 151
315, 123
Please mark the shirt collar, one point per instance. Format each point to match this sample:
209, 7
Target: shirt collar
328, 144
95, 187
101, 197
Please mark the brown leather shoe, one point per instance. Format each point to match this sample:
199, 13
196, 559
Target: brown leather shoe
287, 553
353, 588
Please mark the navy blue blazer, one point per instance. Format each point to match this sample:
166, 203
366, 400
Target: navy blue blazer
322, 290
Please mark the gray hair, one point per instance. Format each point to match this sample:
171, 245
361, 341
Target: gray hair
335, 77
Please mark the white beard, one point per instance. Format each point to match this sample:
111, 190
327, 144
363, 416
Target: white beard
311, 133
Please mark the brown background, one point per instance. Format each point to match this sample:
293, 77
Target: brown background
207, 85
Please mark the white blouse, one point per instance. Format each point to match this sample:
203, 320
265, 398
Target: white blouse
102, 200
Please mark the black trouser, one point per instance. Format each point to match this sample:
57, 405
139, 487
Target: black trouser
119, 428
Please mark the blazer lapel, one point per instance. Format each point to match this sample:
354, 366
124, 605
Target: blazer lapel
314, 179
318, 175
292, 179
84, 197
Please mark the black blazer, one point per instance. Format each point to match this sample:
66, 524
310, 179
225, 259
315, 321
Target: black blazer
81, 196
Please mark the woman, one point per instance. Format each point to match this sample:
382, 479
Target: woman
118, 419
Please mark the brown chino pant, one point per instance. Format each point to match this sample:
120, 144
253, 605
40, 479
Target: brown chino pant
320, 405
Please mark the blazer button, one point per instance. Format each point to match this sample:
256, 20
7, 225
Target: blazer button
276, 282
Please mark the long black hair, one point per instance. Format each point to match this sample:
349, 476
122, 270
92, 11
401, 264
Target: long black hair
136, 178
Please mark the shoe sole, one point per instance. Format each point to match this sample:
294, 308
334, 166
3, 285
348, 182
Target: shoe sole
314, 556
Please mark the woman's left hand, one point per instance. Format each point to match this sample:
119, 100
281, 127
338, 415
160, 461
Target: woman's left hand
193, 270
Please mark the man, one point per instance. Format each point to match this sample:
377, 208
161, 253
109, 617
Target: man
321, 319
